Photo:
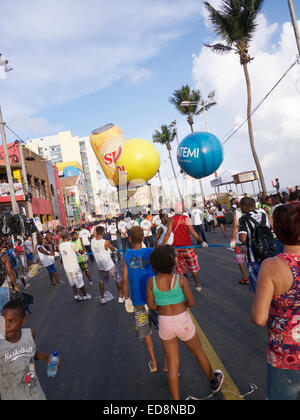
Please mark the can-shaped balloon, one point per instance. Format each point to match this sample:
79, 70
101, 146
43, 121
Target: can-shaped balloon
200, 154
106, 142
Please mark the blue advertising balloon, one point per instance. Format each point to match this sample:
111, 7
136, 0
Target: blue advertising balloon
200, 154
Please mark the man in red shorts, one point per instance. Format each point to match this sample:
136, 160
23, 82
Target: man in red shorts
182, 228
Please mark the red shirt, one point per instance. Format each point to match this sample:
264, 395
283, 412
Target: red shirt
182, 235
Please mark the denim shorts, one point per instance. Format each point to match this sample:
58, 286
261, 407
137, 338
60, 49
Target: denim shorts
253, 269
51, 269
283, 384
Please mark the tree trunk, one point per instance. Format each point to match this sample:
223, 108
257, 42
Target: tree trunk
191, 122
174, 173
250, 129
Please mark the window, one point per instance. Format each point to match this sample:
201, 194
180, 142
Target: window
37, 188
44, 193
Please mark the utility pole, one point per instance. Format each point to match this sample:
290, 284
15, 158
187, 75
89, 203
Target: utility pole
295, 23
24, 179
26, 193
14, 204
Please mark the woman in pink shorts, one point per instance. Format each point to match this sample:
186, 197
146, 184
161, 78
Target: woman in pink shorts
171, 295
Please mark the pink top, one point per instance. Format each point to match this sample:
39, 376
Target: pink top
283, 350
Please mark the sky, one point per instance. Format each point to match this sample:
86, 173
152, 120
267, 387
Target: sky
80, 65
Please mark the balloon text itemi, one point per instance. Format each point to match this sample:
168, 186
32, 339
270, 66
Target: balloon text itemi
200, 154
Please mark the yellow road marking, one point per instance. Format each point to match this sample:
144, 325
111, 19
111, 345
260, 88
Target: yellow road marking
230, 391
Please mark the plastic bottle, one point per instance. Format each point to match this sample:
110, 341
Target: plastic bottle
53, 362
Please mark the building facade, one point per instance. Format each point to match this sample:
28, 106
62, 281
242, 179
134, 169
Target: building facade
42, 186
76, 198
65, 148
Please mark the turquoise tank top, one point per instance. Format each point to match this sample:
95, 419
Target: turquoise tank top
171, 297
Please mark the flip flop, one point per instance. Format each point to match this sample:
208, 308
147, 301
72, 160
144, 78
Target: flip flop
151, 369
244, 282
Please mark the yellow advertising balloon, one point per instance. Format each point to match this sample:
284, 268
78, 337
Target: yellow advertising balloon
138, 161
106, 142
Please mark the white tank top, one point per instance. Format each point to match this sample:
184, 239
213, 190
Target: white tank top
69, 257
46, 260
102, 255
162, 236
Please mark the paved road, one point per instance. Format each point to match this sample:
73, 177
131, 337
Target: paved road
102, 360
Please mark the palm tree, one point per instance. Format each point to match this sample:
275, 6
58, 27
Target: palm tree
186, 94
165, 137
235, 23
197, 104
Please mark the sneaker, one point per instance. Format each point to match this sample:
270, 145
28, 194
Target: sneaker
198, 289
91, 283
102, 301
121, 300
87, 297
217, 382
27, 286
78, 298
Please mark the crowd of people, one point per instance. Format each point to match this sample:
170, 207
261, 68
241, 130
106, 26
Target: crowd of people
147, 257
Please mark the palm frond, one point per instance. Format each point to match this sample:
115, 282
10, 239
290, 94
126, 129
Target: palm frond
163, 136
236, 21
206, 107
185, 94
220, 48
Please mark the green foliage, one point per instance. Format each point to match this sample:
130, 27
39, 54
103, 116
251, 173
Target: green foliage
163, 136
235, 22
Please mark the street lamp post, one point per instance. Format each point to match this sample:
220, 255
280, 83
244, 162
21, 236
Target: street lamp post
83, 153
14, 204
295, 23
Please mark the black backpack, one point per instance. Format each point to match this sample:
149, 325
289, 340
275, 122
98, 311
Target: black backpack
262, 240
3, 274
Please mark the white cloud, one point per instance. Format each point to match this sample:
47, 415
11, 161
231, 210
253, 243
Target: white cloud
61, 50
276, 123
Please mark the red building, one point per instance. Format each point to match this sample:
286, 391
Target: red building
43, 184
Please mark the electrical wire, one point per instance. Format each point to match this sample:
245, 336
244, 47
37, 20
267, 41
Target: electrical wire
261, 102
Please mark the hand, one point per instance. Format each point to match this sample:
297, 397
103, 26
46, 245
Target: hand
204, 245
232, 244
129, 306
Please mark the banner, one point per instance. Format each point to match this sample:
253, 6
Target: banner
4, 189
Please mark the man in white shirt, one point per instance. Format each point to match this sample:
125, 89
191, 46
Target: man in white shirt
85, 236
123, 229
72, 268
197, 220
146, 225
249, 235
156, 222
112, 230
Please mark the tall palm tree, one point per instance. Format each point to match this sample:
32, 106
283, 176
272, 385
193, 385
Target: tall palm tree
186, 94
235, 23
165, 136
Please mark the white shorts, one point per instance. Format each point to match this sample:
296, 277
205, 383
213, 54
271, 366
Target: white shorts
76, 279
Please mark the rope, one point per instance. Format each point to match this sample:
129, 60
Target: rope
181, 247
261, 102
